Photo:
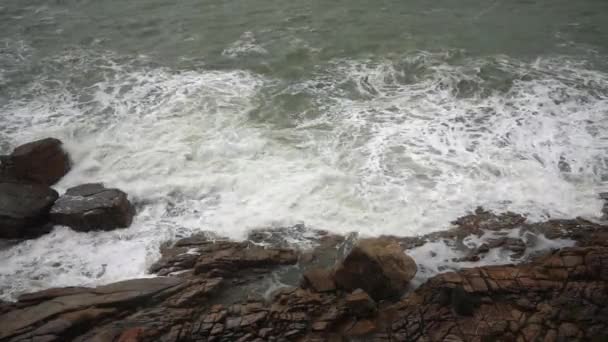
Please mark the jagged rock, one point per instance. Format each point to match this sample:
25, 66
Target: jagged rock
519, 302
93, 207
41, 162
319, 279
360, 304
241, 257
24, 209
378, 266
196, 293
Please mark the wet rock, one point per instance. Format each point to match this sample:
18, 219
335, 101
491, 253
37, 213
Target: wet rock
242, 257
132, 335
463, 303
363, 327
604, 196
515, 245
360, 304
319, 279
40, 162
378, 266
24, 209
197, 293
93, 207
562, 295
482, 219
524, 302
113, 295
6, 170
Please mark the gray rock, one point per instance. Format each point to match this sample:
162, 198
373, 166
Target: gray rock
93, 207
24, 209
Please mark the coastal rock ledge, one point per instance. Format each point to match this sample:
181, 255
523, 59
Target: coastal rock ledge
218, 290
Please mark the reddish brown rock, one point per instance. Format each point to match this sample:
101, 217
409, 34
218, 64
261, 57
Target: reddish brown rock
378, 266
319, 279
363, 327
41, 162
132, 335
242, 257
559, 296
360, 304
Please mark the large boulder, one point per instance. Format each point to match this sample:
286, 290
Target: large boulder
377, 266
24, 209
93, 207
41, 162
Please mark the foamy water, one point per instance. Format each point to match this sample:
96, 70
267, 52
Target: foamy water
397, 146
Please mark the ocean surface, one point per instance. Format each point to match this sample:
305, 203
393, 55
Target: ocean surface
376, 117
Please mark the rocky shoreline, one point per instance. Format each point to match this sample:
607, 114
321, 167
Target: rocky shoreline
553, 285
213, 289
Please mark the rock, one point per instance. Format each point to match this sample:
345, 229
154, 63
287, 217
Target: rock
360, 328
241, 257
93, 207
24, 210
41, 162
378, 266
6, 170
360, 304
463, 303
562, 295
603, 196
113, 295
132, 335
319, 279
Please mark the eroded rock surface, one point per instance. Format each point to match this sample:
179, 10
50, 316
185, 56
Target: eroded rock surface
93, 207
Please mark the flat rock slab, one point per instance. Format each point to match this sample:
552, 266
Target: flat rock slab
113, 295
24, 209
41, 162
90, 207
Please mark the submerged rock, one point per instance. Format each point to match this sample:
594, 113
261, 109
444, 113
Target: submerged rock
24, 209
41, 162
93, 207
378, 266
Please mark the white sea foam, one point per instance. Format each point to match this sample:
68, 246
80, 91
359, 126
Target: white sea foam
441, 256
390, 152
247, 44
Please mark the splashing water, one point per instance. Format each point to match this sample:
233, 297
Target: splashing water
396, 146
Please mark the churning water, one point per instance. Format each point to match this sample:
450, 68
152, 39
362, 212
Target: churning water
384, 117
